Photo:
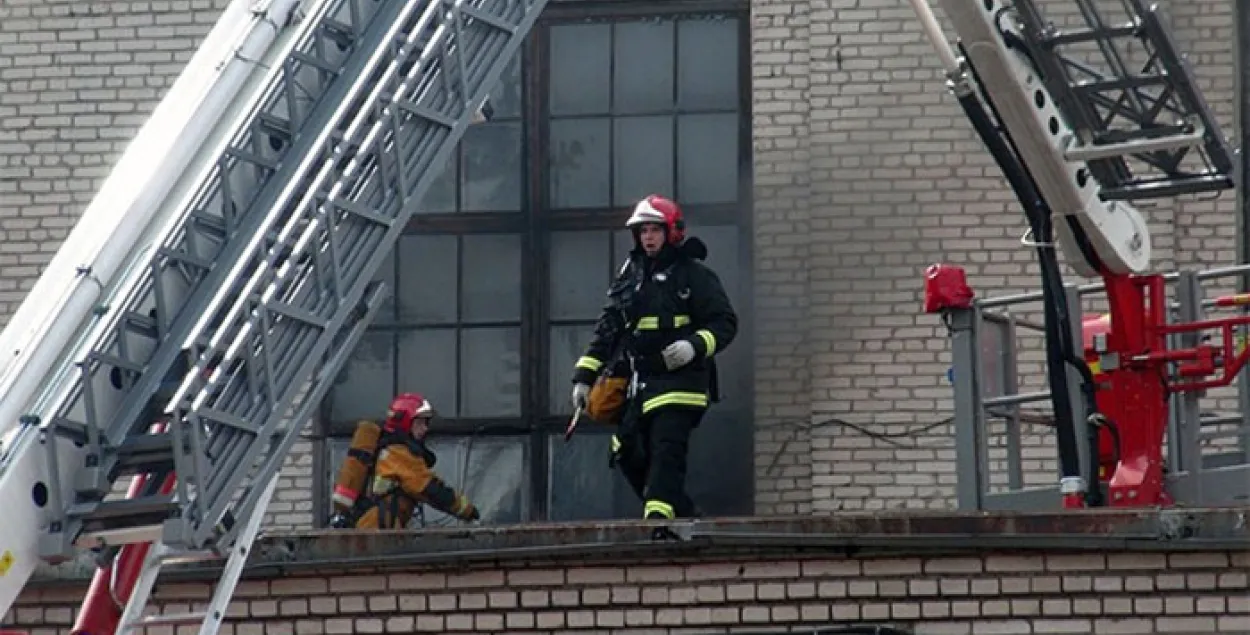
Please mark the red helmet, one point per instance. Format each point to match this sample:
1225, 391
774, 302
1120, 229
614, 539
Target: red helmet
657, 209
404, 409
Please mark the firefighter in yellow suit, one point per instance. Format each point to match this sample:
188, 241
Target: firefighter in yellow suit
403, 473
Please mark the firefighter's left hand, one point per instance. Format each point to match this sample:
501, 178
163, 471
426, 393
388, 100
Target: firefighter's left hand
678, 354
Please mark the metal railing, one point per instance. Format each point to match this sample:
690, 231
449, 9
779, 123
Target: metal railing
1207, 452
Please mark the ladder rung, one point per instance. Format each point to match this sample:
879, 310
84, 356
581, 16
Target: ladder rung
1089, 35
146, 452
169, 618
1138, 146
125, 508
119, 536
487, 18
189, 556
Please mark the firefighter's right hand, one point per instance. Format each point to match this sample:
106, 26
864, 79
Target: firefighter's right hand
581, 394
465, 509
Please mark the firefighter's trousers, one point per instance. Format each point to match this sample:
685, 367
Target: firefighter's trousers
651, 452
389, 512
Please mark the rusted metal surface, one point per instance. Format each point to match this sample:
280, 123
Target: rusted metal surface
850, 534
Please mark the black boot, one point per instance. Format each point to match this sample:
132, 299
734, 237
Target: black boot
662, 532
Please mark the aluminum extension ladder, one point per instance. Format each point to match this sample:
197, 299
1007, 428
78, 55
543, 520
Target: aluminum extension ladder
250, 307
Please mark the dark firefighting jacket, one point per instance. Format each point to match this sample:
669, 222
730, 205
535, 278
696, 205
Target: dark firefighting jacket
402, 478
652, 303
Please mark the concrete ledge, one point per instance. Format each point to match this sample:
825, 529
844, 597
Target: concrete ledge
847, 535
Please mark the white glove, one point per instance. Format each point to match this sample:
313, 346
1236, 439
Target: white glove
580, 393
678, 354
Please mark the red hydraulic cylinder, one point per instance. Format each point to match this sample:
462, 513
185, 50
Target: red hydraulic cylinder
1136, 391
101, 610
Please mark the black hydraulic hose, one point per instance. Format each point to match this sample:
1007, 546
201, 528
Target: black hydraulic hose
1052, 278
1055, 304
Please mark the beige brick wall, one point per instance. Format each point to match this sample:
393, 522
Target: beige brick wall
865, 173
1123, 593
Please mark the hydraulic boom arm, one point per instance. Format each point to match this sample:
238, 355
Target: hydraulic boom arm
1046, 119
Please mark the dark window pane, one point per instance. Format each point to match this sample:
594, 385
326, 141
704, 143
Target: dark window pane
366, 382
579, 163
578, 275
426, 290
719, 476
707, 164
505, 99
707, 64
722, 244
491, 178
490, 372
496, 479
622, 243
427, 365
492, 278
643, 161
566, 344
643, 67
582, 486
580, 69
440, 198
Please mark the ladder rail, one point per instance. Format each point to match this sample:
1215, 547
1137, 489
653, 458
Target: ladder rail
308, 234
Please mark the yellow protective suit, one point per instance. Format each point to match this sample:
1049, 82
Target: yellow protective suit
401, 479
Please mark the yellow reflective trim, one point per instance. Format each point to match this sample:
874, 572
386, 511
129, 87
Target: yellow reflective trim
708, 339
658, 507
652, 322
616, 443
589, 363
675, 398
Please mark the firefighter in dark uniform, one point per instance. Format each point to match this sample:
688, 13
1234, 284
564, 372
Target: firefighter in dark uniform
403, 475
667, 316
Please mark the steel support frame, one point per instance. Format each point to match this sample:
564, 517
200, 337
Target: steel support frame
1191, 477
1155, 114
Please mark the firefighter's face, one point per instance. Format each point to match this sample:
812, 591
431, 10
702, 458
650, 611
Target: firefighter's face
420, 426
651, 237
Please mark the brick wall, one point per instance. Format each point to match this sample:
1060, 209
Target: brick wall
783, 206
1119, 593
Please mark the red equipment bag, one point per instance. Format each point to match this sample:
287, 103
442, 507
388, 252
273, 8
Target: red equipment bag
946, 287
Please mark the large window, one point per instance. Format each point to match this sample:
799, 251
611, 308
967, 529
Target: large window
502, 273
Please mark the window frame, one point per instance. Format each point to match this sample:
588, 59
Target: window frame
535, 223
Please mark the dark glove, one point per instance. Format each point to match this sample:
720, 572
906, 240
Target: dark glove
466, 510
340, 521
